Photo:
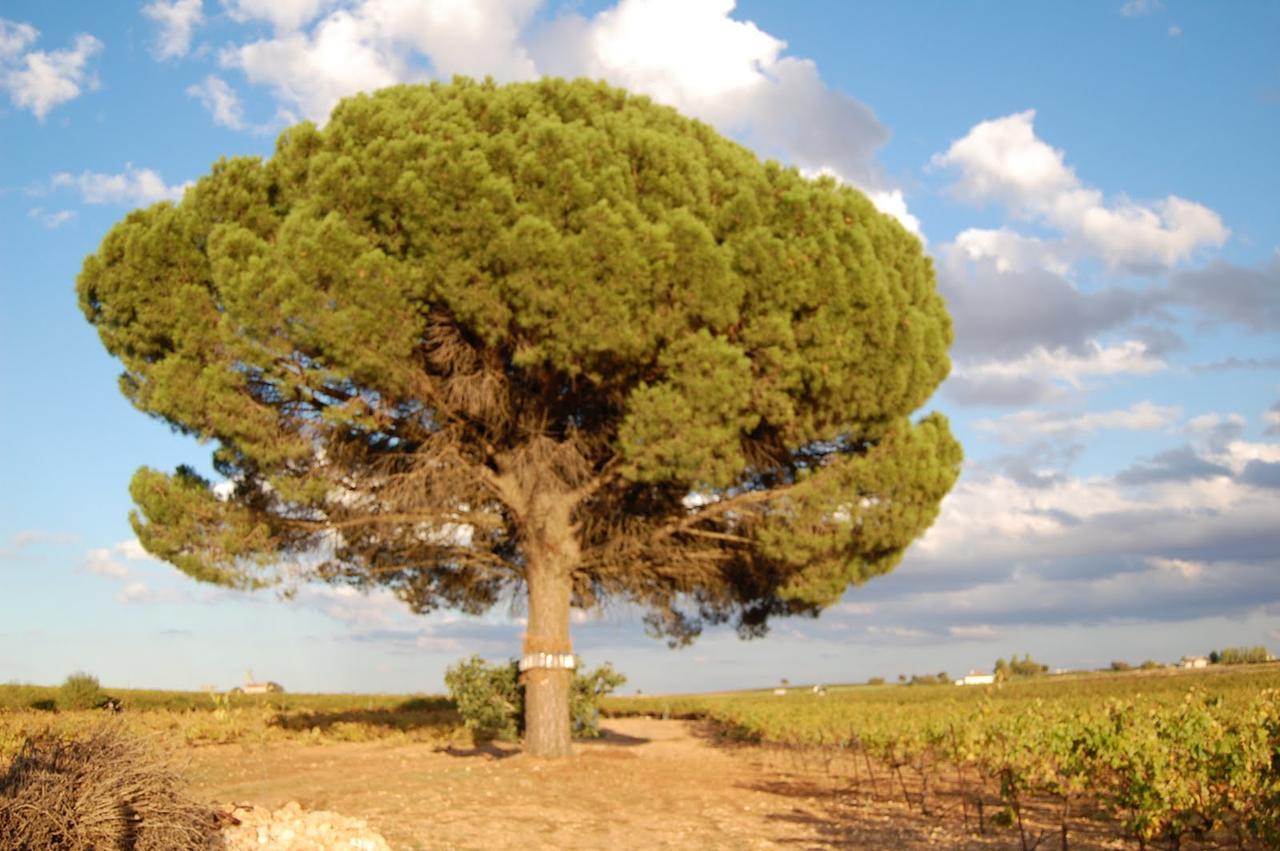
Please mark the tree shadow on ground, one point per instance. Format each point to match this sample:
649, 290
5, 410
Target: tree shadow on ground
613, 737
842, 822
419, 713
722, 734
501, 750
847, 815
486, 749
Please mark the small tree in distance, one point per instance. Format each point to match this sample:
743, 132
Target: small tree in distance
1017, 668
470, 341
81, 691
1002, 671
1241, 655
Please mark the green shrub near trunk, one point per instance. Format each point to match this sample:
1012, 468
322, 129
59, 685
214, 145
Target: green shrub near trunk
490, 697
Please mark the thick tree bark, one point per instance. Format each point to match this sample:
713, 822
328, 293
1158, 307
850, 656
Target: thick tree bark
552, 553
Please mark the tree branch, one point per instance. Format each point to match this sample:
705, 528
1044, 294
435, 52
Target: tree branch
716, 536
468, 518
606, 475
717, 508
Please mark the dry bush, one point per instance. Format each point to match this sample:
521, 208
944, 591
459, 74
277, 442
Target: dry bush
106, 790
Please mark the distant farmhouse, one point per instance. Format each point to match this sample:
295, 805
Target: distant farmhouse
976, 678
1195, 661
252, 687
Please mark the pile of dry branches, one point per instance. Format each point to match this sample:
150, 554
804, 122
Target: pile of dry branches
106, 790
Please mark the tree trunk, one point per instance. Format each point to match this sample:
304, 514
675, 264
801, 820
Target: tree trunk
551, 555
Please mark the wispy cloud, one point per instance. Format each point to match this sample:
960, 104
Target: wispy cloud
976, 631
1032, 424
132, 186
220, 100
22, 541
1271, 419
51, 218
1040, 373
1138, 8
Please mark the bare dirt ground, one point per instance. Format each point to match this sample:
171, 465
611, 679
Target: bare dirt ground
647, 784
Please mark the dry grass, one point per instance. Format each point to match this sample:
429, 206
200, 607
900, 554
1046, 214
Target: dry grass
182, 719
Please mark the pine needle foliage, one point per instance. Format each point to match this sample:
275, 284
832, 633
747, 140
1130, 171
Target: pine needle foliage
412, 330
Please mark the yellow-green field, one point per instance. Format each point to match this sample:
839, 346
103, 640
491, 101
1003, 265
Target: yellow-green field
1165, 755
198, 718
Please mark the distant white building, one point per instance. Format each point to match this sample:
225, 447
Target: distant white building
252, 687
976, 678
1195, 661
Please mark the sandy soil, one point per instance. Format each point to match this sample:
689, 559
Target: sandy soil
647, 784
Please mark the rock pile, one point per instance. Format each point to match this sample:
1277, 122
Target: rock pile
291, 828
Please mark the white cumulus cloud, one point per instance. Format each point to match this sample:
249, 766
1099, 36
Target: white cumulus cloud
283, 14
893, 202
311, 72
470, 37
693, 55
1003, 160
177, 20
688, 54
39, 80
1009, 251
14, 38
993, 520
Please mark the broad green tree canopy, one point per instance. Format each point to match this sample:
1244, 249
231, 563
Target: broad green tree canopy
464, 325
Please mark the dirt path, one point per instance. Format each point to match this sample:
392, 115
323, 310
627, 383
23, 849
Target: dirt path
647, 784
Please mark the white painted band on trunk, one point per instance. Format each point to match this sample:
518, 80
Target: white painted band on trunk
548, 660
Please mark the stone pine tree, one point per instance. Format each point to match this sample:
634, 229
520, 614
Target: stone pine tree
469, 342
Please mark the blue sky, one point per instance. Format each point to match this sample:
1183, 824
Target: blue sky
1096, 183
